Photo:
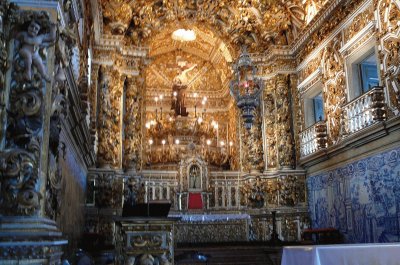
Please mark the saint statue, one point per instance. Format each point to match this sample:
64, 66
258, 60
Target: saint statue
178, 92
194, 177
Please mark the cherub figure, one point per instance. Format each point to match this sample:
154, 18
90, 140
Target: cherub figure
31, 41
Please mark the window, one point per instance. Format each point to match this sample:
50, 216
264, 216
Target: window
368, 73
318, 104
362, 70
314, 105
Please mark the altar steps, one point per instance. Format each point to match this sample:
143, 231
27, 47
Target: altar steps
228, 255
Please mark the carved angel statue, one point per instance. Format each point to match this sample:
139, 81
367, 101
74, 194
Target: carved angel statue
31, 41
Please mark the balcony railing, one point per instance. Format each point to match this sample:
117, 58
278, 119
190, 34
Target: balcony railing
313, 139
365, 110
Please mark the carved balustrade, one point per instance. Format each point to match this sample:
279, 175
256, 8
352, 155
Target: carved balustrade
313, 138
365, 110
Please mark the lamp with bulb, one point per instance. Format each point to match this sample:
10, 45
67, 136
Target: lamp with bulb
246, 87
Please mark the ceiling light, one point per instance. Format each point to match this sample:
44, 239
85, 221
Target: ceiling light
183, 35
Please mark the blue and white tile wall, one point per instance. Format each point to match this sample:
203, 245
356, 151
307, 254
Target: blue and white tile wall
361, 199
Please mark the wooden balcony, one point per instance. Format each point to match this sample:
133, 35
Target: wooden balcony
365, 110
314, 138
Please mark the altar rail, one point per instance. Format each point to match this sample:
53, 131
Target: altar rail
225, 192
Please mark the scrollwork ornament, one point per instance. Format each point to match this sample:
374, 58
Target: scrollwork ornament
25, 111
19, 176
53, 189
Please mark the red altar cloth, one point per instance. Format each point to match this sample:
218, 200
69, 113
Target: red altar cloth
195, 201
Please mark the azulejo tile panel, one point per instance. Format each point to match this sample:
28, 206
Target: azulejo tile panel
361, 199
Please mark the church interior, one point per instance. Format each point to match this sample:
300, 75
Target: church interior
161, 132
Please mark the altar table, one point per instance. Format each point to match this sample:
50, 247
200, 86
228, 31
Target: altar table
343, 254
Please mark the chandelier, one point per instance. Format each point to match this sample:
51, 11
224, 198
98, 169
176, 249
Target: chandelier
170, 137
245, 87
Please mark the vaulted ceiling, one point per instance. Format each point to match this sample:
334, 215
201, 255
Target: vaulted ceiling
257, 23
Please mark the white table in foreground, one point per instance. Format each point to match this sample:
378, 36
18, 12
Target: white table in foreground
346, 254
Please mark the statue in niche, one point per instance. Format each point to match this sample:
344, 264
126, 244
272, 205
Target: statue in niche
194, 177
179, 86
31, 41
131, 194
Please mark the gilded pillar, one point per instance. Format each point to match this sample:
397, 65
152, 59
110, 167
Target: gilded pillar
283, 119
93, 101
132, 122
109, 133
255, 145
270, 125
27, 94
298, 114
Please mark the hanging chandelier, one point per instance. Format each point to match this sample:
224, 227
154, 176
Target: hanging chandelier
245, 87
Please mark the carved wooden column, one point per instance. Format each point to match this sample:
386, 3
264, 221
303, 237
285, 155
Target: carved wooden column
132, 123
283, 119
109, 142
93, 101
255, 145
28, 236
270, 126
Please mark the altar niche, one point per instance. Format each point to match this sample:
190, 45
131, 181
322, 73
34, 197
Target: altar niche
195, 178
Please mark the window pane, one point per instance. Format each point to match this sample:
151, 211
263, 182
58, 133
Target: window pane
369, 73
318, 108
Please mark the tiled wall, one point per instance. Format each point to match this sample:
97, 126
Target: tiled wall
361, 199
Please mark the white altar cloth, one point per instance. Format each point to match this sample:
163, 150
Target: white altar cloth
345, 254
